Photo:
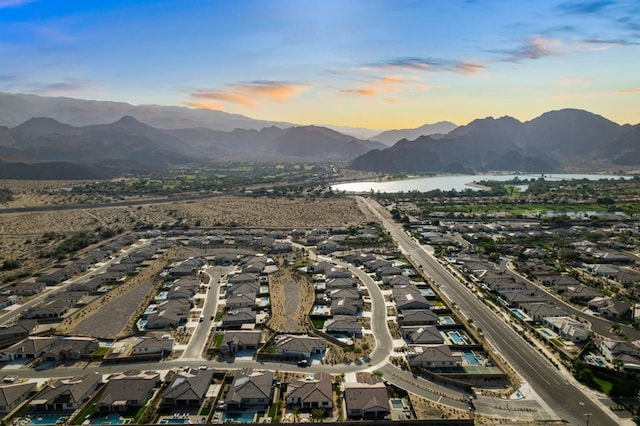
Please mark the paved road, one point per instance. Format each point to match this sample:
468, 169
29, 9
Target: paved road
598, 324
201, 333
561, 395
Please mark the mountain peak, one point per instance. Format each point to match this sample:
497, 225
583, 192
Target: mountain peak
42, 126
392, 136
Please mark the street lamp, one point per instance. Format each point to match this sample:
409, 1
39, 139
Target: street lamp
588, 416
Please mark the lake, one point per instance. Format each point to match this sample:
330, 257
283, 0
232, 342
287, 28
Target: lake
449, 183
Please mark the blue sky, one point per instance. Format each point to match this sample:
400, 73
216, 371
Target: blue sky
370, 63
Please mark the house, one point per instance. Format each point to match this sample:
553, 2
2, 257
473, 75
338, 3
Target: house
305, 346
337, 272
10, 334
243, 277
582, 293
249, 388
6, 301
627, 276
339, 283
188, 388
93, 287
313, 392
409, 297
610, 307
434, 357
400, 280
66, 394
367, 398
13, 394
360, 258
516, 298
170, 313
346, 306
127, 390
152, 344
327, 246
541, 310
387, 273
342, 324
244, 288
422, 335
238, 317
27, 288
628, 353
30, 348
568, 328
418, 317
71, 348
56, 277
557, 280
49, 310
241, 300
236, 341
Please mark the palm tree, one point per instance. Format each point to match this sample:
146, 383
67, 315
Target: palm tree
318, 414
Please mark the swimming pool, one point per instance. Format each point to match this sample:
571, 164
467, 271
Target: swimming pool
397, 403
174, 421
447, 320
46, 420
111, 419
546, 333
245, 417
517, 313
456, 338
470, 358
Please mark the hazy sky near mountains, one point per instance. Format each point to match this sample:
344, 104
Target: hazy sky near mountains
369, 63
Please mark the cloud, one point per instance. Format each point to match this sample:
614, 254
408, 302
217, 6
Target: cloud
391, 84
205, 105
14, 3
588, 7
363, 92
247, 94
64, 88
430, 64
632, 91
535, 48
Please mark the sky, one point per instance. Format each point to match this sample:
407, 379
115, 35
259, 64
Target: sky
379, 64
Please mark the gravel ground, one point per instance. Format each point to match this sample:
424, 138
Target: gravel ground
21, 234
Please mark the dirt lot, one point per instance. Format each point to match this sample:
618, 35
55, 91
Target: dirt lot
292, 297
21, 233
114, 314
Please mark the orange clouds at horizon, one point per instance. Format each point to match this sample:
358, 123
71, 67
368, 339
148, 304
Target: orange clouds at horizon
247, 95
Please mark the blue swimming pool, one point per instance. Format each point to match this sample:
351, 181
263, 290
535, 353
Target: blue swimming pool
174, 421
46, 420
111, 419
397, 403
456, 338
447, 320
519, 314
470, 358
545, 333
246, 417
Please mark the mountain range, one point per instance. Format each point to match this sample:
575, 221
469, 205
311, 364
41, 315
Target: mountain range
555, 141
64, 138
389, 137
130, 146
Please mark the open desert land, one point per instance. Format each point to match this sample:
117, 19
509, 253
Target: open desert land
22, 234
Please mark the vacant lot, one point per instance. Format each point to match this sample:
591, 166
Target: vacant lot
21, 234
291, 300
